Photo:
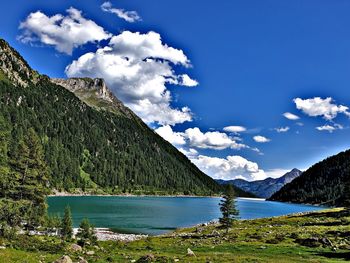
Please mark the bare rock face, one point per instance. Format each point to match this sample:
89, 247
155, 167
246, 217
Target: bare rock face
15, 68
95, 93
98, 86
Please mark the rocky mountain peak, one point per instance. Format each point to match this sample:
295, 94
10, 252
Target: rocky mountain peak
14, 67
290, 176
97, 85
95, 93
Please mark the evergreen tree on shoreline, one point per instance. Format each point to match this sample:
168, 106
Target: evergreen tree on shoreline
67, 224
228, 208
86, 233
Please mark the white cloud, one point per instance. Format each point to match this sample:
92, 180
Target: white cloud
185, 80
261, 139
129, 16
291, 116
231, 167
211, 140
282, 129
175, 138
190, 153
235, 129
321, 107
137, 67
330, 128
276, 173
63, 32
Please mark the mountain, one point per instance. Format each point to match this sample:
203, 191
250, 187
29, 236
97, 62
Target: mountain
91, 141
263, 188
323, 183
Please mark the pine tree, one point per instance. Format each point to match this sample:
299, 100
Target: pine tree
4, 166
36, 185
346, 193
228, 208
67, 224
86, 232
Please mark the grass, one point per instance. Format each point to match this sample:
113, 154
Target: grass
86, 177
3, 77
278, 239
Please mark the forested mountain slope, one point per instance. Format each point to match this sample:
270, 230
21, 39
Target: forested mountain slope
323, 183
88, 148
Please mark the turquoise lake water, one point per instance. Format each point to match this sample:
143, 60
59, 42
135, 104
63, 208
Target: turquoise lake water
157, 215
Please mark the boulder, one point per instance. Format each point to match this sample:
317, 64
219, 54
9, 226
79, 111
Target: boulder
190, 253
309, 242
64, 259
90, 253
75, 248
82, 260
145, 259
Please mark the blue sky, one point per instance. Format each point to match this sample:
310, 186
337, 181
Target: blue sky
229, 63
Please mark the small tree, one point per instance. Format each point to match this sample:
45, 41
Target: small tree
86, 233
228, 208
346, 194
66, 224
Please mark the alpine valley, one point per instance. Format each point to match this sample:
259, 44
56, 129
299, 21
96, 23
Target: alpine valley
73, 136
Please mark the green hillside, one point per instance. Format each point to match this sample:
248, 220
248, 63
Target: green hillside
87, 149
323, 183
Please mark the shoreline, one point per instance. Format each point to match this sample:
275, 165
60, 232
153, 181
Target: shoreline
105, 234
65, 194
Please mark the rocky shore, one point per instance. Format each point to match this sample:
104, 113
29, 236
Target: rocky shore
104, 234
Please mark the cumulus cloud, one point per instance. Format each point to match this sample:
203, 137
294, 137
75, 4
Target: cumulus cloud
291, 116
63, 32
261, 139
276, 173
190, 153
235, 129
175, 138
321, 107
129, 16
185, 80
231, 167
330, 128
211, 140
137, 67
282, 129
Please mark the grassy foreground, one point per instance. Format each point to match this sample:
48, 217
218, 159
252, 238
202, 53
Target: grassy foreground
322, 236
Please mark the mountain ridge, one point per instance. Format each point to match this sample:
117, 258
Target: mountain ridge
264, 188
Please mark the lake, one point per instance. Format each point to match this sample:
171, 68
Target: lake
158, 215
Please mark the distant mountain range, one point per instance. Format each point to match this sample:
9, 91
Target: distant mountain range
264, 188
323, 183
